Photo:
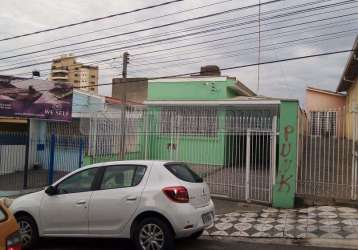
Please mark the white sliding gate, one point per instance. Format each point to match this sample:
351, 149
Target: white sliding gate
235, 153
328, 151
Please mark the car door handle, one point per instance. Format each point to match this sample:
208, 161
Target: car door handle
81, 202
132, 198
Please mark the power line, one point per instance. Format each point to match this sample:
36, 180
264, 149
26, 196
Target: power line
231, 53
90, 20
240, 41
232, 67
173, 38
301, 5
146, 29
253, 48
118, 26
259, 51
186, 29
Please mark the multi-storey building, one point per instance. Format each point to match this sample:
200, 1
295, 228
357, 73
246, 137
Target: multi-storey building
67, 69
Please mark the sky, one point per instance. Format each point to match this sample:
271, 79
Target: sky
288, 28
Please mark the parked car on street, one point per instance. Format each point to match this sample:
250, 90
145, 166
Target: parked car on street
150, 202
9, 231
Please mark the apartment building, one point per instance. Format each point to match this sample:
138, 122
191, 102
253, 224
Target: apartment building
67, 69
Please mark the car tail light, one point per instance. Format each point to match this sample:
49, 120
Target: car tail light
13, 242
177, 194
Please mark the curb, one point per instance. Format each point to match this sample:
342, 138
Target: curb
336, 243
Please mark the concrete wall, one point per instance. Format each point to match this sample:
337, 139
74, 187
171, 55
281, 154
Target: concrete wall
285, 184
132, 89
352, 108
207, 88
317, 101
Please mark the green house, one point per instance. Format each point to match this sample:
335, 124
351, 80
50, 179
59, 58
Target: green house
228, 134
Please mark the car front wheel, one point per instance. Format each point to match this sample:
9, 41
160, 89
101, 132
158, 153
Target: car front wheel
153, 234
28, 231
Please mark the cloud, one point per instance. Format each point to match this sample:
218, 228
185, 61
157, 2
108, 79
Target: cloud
287, 79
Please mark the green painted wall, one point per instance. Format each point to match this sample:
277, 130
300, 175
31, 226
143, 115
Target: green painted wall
198, 90
195, 149
285, 186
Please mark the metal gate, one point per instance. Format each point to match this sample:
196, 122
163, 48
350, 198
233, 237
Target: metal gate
234, 153
328, 154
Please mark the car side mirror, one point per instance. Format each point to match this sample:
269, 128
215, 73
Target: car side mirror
51, 190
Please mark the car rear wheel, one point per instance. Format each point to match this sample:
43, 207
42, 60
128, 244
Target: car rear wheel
28, 231
153, 234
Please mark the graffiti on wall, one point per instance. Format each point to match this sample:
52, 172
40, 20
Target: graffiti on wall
286, 154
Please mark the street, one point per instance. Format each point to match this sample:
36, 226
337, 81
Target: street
202, 244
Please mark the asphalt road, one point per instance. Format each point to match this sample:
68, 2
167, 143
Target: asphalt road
202, 244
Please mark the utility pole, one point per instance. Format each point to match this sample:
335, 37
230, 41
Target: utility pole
125, 64
124, 107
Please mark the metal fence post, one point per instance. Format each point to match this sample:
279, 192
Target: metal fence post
80, 154
248, 163
26, 167
52, 159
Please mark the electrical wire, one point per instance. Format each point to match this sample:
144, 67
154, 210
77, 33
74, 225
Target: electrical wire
169, 39
187, 29
230, 68
90, 20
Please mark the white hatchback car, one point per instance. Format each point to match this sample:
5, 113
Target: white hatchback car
150, 202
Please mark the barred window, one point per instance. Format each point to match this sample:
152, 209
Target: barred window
323, 123
193, 121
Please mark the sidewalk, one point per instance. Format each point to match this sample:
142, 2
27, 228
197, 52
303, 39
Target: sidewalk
323, 222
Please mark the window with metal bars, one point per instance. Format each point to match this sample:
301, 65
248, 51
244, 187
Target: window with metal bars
323, 123
190, 121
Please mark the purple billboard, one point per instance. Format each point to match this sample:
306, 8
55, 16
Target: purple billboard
34, 98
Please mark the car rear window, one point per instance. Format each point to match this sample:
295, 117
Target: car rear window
2, 215
183, 172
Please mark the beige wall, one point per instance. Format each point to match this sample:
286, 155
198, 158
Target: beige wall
317, 101
131, 89
324, 102
352, 108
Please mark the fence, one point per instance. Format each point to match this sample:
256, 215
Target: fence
234, 151
49, 158
328, 154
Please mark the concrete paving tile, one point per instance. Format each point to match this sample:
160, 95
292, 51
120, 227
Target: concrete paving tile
261, 235
307, 228
347, 210
223, 226
330, 228
242, 226
247, 219
327, 215
348, 215
327, 208
228, 219
239, 234
352, 236
329, 221
219, 233
263, 227
331, 236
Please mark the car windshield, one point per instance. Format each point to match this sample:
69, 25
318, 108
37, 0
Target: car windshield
183, 172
